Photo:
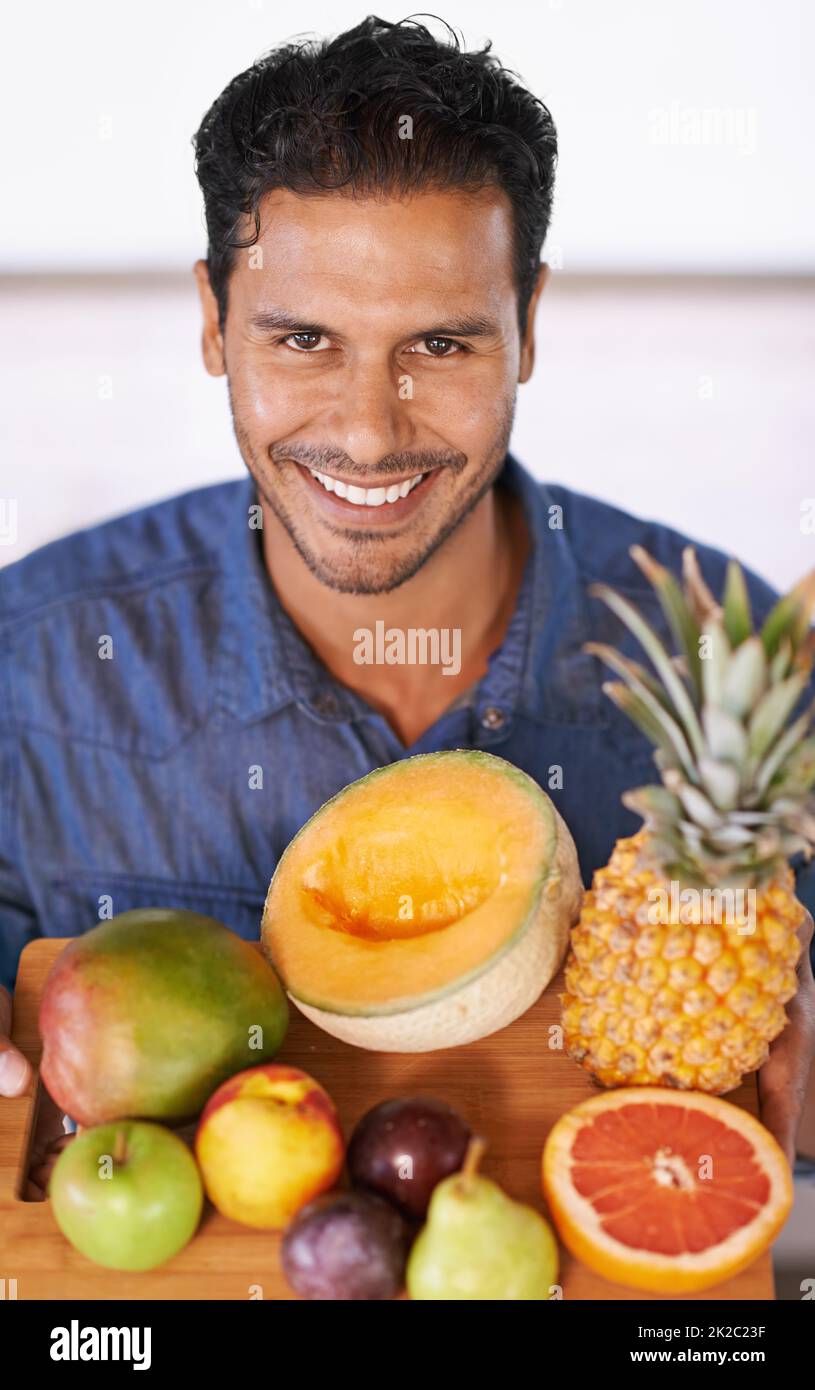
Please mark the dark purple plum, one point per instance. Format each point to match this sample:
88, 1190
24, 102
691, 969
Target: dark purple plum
402, 1148
344, 1246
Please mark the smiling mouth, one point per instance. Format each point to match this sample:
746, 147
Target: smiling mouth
381, 496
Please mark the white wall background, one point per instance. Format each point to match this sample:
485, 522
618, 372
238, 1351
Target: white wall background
101, 97
686, 137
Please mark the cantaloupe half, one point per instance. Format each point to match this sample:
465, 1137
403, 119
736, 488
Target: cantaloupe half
426, 905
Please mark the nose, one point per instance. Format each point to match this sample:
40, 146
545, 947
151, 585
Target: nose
371, 415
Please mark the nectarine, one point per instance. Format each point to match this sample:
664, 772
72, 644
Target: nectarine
268, 1141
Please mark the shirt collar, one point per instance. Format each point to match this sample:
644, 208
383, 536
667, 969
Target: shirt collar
540, 670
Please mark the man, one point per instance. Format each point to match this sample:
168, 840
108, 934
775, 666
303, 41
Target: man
183, 685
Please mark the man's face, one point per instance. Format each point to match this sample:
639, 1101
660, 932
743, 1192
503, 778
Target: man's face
375, 344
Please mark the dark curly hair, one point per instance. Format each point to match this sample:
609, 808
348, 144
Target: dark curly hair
323, 115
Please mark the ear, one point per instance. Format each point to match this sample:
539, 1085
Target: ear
212, 342
527, 361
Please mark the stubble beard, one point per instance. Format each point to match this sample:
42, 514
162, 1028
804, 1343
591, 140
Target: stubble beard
360, 571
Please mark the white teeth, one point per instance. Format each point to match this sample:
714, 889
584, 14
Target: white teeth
328, 483
366, 497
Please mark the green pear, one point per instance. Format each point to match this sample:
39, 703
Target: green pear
480, 1244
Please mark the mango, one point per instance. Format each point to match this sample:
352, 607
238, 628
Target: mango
145, 1015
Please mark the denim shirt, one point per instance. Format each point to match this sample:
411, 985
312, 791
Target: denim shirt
165, 730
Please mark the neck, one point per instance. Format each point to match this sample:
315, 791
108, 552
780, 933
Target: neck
469, 586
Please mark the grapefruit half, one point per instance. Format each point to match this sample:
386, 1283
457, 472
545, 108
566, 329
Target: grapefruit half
664, 1190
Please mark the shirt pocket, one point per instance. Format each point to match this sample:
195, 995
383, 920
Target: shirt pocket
77, 902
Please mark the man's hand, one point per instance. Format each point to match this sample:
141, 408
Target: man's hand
15, 1079
782, 1081
15, 1071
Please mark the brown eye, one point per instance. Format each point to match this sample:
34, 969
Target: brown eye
304, 342
439, 347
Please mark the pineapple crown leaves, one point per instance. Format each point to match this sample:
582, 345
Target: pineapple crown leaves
737, 769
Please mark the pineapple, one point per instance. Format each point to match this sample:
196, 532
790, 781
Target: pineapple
685, 952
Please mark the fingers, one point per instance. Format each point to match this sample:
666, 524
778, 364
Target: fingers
781, 1084
15, 1071
781, 1120
15, 1079
782, 1081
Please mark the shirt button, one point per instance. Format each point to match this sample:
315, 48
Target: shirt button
493, 718
326, 703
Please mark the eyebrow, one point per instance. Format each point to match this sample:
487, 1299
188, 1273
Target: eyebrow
278, 321
468, 326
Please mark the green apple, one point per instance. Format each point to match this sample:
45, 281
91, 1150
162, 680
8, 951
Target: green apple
127, 1195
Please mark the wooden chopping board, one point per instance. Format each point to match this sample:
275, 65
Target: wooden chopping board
510, 1087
